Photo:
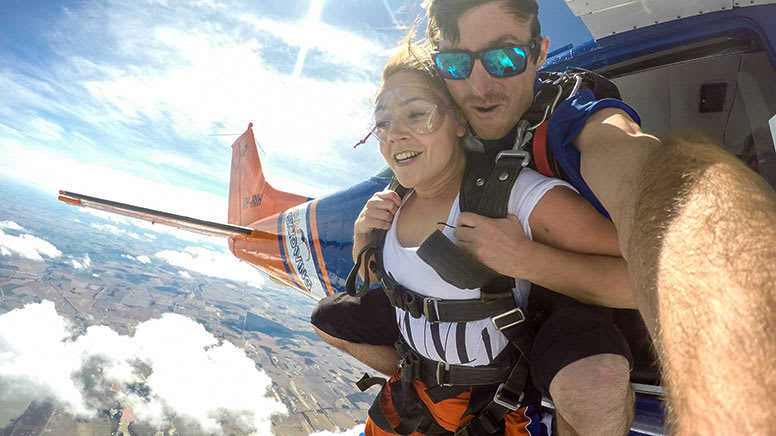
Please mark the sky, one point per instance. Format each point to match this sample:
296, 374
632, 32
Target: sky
139, 101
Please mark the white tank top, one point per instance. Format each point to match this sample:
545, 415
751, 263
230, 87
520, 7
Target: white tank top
473, 343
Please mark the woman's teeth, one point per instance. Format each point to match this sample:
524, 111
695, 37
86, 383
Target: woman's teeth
405, 156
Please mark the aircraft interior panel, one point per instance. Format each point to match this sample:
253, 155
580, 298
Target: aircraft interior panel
646, 92
729, 98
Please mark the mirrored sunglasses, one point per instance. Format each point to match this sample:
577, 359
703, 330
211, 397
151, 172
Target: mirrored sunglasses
498, 62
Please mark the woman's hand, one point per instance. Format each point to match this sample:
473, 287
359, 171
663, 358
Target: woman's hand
378, 213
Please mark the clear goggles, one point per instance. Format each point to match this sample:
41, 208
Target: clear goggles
414, 107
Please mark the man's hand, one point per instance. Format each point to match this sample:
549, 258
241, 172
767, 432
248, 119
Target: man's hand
499, 243
377, 213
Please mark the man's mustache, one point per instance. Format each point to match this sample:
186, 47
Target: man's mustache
489, 99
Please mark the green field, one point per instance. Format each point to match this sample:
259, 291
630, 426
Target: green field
9, 287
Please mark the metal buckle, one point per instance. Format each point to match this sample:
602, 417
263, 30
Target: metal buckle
439, 373
498, 399
427, 309
506, 314
520, 154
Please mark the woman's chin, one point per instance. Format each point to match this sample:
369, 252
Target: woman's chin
408, 181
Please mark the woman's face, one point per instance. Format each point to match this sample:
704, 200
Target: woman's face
418, 137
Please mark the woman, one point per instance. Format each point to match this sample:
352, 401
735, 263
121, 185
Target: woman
422, 136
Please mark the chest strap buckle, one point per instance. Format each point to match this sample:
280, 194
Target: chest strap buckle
431, 309
443, 374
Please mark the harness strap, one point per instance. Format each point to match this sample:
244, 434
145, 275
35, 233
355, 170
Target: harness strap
453, 264
413, 414
363, 256
417, 416
518, 331
434, 373
509, 397
367, 382
495, 199
512, 323
437, 310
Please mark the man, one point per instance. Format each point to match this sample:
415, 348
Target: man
693, 222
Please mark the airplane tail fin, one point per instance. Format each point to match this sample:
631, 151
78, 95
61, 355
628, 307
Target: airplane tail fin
251, 198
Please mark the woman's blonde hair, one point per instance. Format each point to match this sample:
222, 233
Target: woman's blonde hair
415, 57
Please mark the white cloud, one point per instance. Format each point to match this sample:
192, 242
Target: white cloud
115, 230
41, 360
184, 274
359, 52
27, 246
112, 217
213, 263
37, 361
81, 263
46, 130
183, 235
142, 258
10, 225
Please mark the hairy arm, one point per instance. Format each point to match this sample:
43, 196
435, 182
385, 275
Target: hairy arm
579, 251
574, 250
614, 152
697, 229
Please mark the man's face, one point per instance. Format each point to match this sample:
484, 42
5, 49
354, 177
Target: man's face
493, 105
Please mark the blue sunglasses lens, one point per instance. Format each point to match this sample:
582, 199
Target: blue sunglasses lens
504, 62
454, 65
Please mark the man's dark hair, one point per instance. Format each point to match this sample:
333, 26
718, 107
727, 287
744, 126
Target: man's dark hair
443, 17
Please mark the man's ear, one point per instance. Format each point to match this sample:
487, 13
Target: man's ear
544, 47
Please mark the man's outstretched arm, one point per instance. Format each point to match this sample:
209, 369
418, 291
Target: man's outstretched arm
698, 231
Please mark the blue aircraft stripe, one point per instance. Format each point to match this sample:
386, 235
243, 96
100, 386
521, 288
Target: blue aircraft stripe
282, 246
335, 215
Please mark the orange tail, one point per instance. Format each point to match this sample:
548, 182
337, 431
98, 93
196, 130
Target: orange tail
251, 198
